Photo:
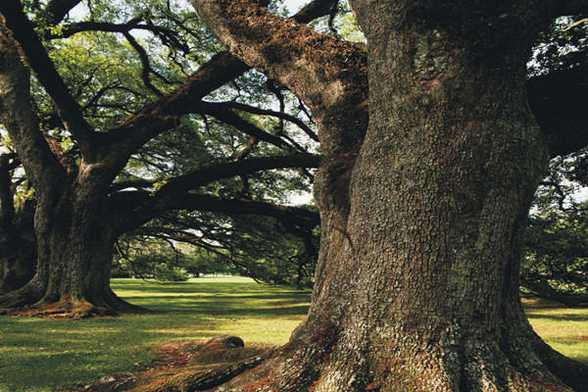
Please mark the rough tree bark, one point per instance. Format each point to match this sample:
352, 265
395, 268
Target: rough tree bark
73, 234
417, 286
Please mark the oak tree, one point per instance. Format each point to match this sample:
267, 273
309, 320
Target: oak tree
84, 197
423, 207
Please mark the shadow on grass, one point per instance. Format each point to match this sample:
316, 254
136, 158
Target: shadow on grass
219, 306
557, 317
40, 355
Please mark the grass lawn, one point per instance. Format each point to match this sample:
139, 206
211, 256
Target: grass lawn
39, 355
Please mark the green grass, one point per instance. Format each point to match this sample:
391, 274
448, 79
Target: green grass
39, 355
565, 329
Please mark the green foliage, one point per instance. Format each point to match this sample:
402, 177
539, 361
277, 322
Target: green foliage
557, 254
200, 244
564, 45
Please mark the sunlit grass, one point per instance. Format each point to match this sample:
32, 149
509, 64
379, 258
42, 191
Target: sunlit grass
39, 355
565, 329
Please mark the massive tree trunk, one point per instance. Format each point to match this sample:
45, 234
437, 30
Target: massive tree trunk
417, 286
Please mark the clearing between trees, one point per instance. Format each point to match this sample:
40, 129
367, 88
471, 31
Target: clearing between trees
69, 353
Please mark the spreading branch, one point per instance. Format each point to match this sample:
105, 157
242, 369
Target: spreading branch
162, 114
134, 24
56, 10
36, 55
146, 64
266, 112
20, 120
176, 193
207, 175
328, 74
227, 116
294, 215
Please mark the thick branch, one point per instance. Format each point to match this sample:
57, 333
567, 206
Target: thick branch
56, 10
146, 64
20, 120
558, 101
328, 74
266, 112
135, 24
175, 194
543, 290
69, 110
192, 202
227, 116
162, 115
214, 173
210, 174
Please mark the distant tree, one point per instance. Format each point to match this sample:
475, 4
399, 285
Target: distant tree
112, 130
17, 244
556, 261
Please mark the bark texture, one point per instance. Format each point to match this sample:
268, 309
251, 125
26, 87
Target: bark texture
74, 236
418, 276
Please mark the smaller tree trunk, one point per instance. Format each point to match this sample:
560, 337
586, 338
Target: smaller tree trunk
74, 254
17, 264
17, 240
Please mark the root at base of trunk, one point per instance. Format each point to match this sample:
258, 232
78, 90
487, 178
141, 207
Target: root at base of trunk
475, 367
67, 307
186, 366
64, 308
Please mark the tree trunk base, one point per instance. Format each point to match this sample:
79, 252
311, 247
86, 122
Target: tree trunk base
23, 303
67, 308
473, 366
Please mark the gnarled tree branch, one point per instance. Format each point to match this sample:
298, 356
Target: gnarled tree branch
20, 120
70, 111
162, 114
56, 10
328, 74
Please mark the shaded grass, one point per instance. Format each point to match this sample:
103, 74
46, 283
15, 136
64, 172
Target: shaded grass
38, 355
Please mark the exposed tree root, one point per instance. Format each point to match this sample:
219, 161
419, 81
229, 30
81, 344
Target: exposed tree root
22, 304
223, 365
20, 298
119, 305
573, 373
472, 365
67, 308
186, 366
